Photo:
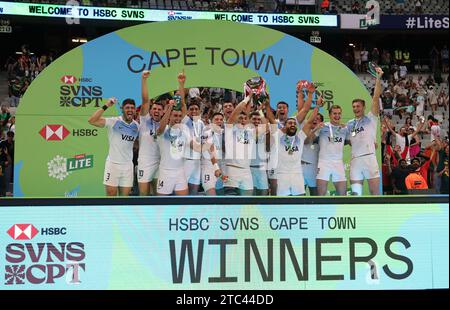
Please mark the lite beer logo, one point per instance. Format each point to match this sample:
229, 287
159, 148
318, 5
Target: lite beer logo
60, 167
79, 95
54, 132
79, 162
42, 262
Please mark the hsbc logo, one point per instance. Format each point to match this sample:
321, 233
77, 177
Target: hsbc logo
68, 79
54, 132
22, 231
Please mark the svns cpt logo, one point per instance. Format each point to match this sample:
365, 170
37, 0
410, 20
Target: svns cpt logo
42, 262
54, 132
75, 95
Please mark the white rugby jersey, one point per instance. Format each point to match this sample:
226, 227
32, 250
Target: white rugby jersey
195, 128
172, 145
239, 145
290, 151
363, 134
148, 141
331, 140
121, 136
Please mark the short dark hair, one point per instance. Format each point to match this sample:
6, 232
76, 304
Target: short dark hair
363, 102
215, 114
321, 116
128, 101
282, 102
334, 106
416, 159
193, 103
255, 113
158, 103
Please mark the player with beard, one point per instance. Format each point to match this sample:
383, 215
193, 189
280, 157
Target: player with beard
332, 138
289, 170
212, 156
149, 157
281, 117
122, 132
363, 135
240, 140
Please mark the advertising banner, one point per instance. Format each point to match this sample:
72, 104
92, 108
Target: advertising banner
147, 15
225, 247
59, 154
412, 22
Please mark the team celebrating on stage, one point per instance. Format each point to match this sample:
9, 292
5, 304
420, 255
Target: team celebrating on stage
247, 149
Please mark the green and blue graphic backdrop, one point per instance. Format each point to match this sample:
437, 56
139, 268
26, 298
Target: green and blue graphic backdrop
58, 154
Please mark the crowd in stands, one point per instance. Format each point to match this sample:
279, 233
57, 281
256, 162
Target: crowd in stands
436, 7
21, 70
415, 135
396, 62
7, 131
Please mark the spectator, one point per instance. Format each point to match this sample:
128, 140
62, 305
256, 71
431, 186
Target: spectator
434, 128
5, 160
403, 71
364, 58
443, 174
4, 118
8, 145
444, 58
441, 170
400, 6
333, 10
432, 99
399, 175
355, 7
418, 7
420, 103
434, 58
375, 55
386, 173
357, 58
324, 6
443, 100
12, 124
414, 147
415, 180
